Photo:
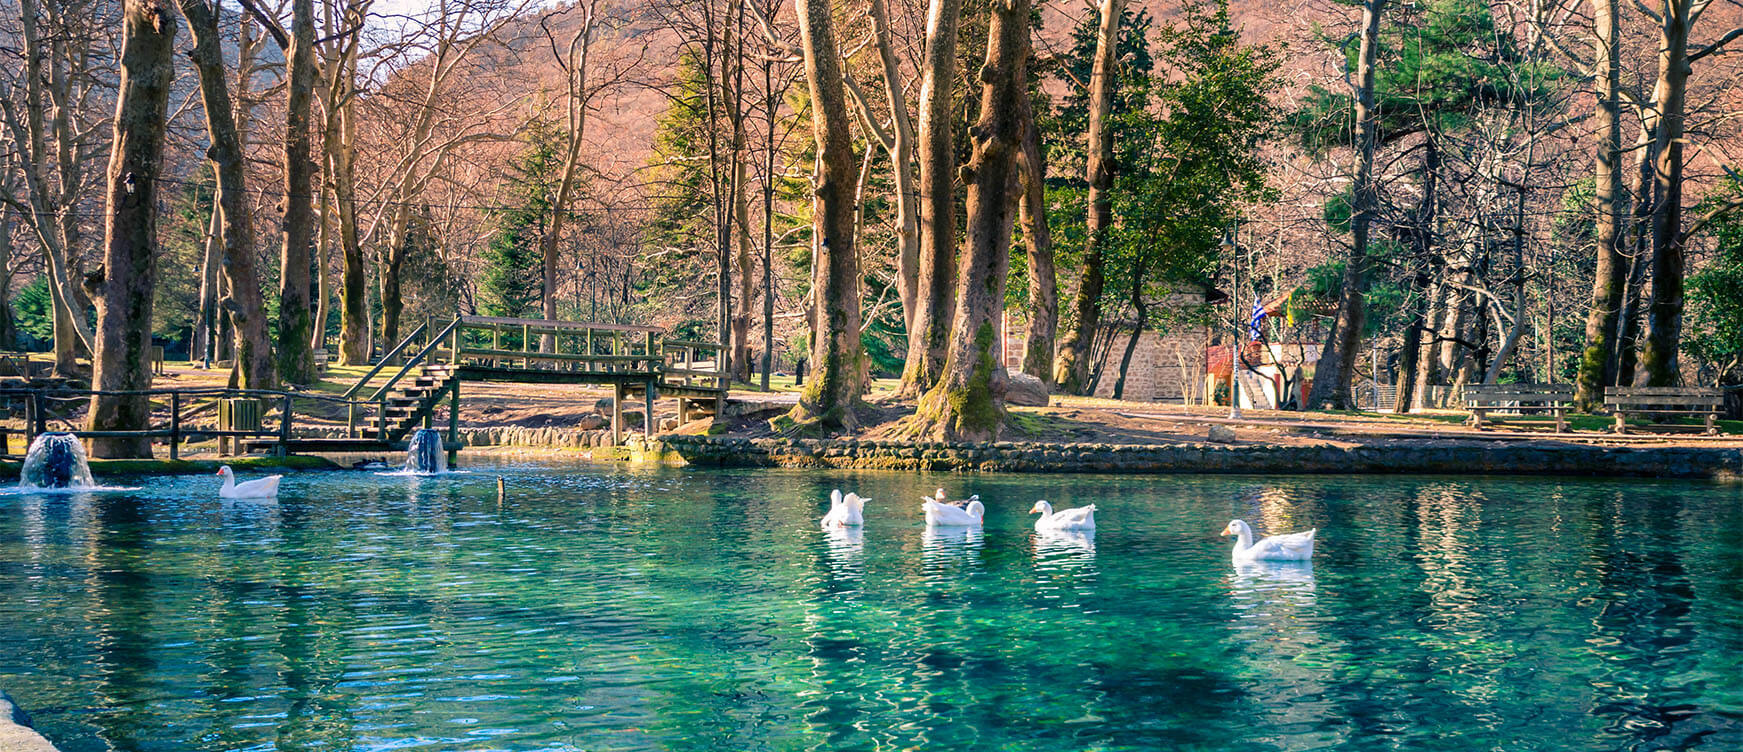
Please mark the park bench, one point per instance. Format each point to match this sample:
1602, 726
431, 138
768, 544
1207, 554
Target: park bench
1555, 399
1668, 401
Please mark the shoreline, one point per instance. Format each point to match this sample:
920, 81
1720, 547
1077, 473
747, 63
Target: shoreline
1450, 457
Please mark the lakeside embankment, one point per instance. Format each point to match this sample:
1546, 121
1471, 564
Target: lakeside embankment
1427, 458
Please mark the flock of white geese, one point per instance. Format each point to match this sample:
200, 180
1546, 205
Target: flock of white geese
848, 510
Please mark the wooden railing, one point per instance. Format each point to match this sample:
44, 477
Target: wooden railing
178, 415
563, 346
695, 365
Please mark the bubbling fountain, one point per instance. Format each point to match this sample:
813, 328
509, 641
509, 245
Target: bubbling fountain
426, 455
56, 460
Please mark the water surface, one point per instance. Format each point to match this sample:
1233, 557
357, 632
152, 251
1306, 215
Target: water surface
606, 609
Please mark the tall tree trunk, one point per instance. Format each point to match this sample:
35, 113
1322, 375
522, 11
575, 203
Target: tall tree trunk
837, 359
968, 403
1658, 361
929, 334
771, 103
1038, 247
1428, 361
243, 314
1598, 361
1644, 193
354, 323
206, 315
296, 361
1422, 249
901, 148
8, 323
1337, 362
122, 360
1071, 367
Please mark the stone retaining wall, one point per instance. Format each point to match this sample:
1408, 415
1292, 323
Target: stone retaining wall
1472, 457
556, 438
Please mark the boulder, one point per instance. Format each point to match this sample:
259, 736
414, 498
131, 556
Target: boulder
1026, 390
1220, 435
594, 422
603, 406
632, 419
668, 424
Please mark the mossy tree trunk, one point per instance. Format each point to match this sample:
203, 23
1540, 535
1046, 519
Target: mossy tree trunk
1609, 284
296, 359
1658, 361
967, 404
1071, 367
838, 362
929, 332
1331, 380
122, 359
242, 305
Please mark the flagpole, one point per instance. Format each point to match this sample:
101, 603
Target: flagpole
1235, 345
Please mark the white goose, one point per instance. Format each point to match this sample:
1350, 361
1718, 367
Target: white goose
1292, 547
260, 488
845, 511
940, 514
1079, 518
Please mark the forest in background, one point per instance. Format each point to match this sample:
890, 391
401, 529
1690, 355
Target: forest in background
1452, 192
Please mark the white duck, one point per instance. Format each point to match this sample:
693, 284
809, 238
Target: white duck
845, 511
1079, 518
260, 488
940, 514
959, 503
1292, 547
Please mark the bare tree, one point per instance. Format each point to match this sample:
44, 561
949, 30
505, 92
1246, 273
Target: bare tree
1331, 382
1071, 367
243, 305
830, 396
929, 331
968, 401
127, 281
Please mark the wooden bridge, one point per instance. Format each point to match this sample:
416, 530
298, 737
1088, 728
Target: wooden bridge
636, 361
425, 370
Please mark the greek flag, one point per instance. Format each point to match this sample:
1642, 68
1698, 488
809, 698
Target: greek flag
1258, 318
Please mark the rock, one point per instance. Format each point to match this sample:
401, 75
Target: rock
1026, 390
632, 419
668, 424
1220, 434
593, 422
603, 406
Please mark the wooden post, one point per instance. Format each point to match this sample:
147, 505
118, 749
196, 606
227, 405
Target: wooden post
454, 345
648, 408
589, 351
351, 420
32, 417
616, 413
381, 418
175, 425
284, 428
454, 422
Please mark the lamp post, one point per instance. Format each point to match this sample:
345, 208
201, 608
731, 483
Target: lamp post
1231, 248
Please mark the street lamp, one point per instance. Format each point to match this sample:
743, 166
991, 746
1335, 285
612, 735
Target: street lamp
1231, 248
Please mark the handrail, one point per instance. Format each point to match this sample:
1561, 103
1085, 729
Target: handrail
385, 359
416, 359
557, 325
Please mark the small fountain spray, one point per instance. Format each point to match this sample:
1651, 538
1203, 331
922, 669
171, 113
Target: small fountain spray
56, 460
425, 455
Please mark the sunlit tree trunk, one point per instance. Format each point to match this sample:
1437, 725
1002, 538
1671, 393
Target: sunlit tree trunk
1071, 367
242, 306
838, 361
122, 360
967, 404
1331, 380
929, 334
296, 362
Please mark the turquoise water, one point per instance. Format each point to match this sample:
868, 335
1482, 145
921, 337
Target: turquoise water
606, 609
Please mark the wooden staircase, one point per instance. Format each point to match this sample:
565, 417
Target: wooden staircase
412, 401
